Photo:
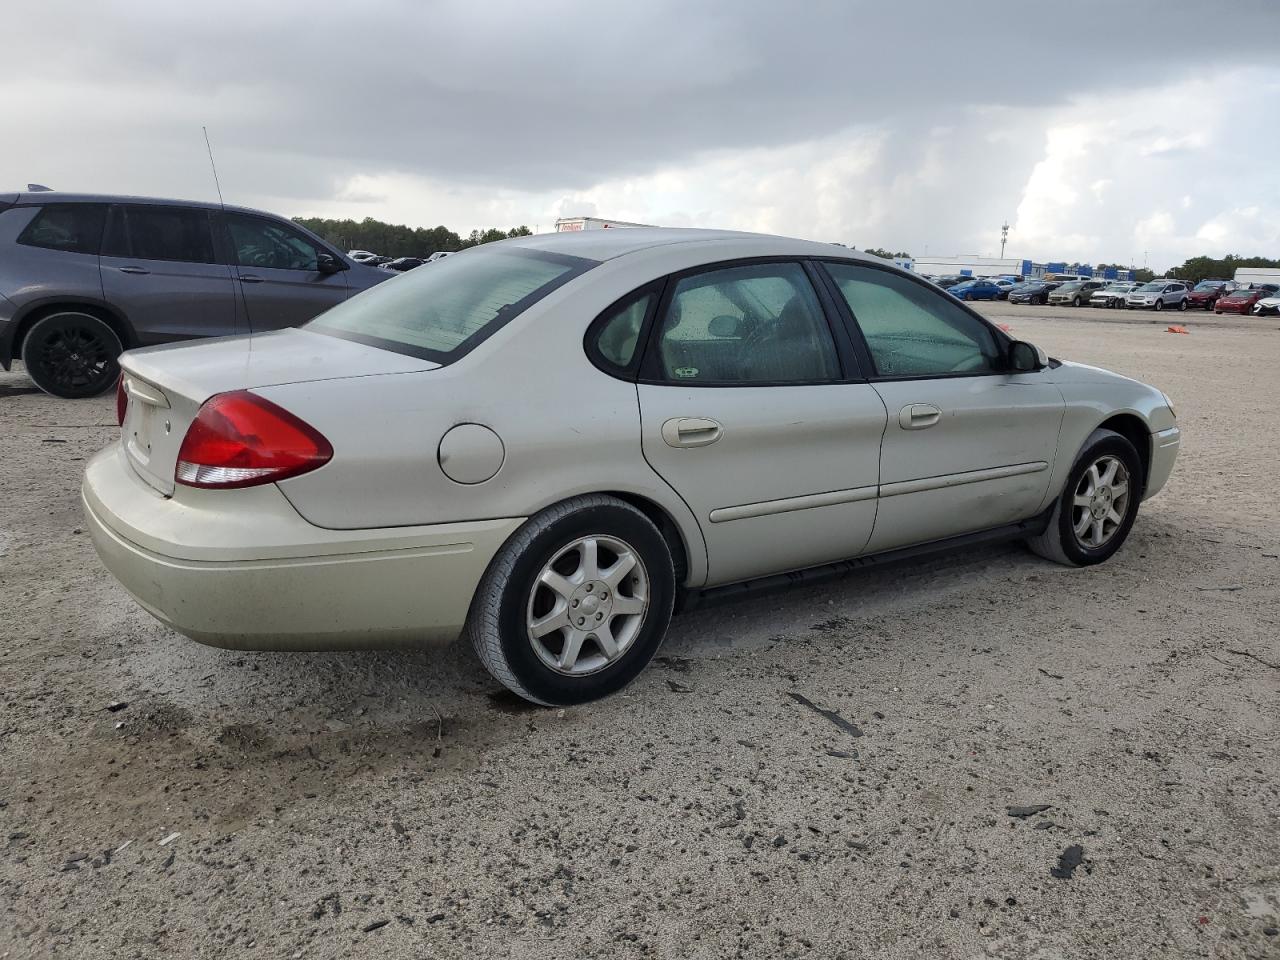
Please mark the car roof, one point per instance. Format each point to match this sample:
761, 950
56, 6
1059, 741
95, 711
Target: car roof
606, 244
57, 196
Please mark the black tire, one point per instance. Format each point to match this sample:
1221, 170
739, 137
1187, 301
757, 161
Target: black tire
497, 624
1075, 301
1182, 305
1159, 305
1059, 541
72, 355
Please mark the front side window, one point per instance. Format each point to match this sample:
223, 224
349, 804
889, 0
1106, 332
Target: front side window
760, 323
270, 245
163, 233
70, 227
910, 330
444, 312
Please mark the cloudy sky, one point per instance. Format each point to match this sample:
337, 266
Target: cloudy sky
1130, 130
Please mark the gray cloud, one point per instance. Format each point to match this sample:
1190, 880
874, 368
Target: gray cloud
560, 96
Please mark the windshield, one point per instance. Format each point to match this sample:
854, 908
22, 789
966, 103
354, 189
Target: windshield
442, 313
1207, 285
1068, 287
1151, 287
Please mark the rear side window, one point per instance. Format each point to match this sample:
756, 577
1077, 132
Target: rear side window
149, 232
760, 323
70, 227
911, 330
442, 313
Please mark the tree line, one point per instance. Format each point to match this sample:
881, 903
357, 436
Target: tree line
398, 240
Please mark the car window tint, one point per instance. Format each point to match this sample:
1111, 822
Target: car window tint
443, 312
620, 333
169, 233
752, 324
71, 227
270, 245
911, 330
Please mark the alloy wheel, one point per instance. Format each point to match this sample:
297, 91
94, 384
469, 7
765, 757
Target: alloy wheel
1100, 501
73, 358
587, 605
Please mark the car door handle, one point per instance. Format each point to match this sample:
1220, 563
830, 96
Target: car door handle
249, 278
917, 416
134, 270
691, 432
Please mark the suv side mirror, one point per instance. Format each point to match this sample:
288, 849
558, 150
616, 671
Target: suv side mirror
328, 264
1025, 357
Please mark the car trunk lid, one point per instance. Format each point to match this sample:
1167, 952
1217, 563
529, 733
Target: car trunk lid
167, 385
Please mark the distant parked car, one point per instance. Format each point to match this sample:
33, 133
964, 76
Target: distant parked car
85, 276
439, 255
1206, 293
1243, 299
401, 264
1075, 292
1158, 295
360, 256
1033, 291
1113, 294
1267, 306
1005, 284
976, 290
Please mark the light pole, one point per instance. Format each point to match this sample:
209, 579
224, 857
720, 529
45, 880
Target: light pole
1004, 237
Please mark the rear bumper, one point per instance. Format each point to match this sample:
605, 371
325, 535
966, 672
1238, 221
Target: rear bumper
248, 572
1164, 451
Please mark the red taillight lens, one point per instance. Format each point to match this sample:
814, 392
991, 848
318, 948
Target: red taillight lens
122, 400
240, 440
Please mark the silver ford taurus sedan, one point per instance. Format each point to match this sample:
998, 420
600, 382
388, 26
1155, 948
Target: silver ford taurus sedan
548, 443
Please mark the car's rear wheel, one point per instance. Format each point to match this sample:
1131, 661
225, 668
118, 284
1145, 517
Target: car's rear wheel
576, 603
1182, 304
1098, 504
72, 355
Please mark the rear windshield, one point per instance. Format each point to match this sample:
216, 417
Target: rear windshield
443, 310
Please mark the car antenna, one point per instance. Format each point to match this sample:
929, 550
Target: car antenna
222, 203
213, 166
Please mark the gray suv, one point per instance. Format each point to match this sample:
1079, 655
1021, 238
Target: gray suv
84, 277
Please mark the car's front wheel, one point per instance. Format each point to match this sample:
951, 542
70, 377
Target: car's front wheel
576, 603
72, 355
1159, 305
1098, 504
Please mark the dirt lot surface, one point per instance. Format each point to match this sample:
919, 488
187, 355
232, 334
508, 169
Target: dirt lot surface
829, 772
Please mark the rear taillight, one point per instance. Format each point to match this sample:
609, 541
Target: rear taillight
122, 400
241, 440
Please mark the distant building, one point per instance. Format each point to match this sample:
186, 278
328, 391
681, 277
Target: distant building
1257, 275
974, 266
571, 224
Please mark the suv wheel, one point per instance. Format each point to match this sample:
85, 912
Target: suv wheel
1098, 504
1159, 304
71, 354
576, 603
1182, 304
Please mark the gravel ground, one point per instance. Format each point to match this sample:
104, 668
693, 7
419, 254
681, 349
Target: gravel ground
827, 772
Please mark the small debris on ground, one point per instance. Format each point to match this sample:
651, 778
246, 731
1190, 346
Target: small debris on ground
831, 715
115, 706
169, 839
376, 925
1068, 860
1028, 811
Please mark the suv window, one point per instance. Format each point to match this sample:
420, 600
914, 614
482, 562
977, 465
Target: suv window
70, 227
270, 244
619, 333
757, 323
910, 329
153, 232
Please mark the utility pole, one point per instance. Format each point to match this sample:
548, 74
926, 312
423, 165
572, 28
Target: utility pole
1004, 237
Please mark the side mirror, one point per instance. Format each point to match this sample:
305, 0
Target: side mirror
1025, 357
328, 264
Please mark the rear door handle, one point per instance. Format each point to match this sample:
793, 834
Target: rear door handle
249, 278
134, 270
917, 416
691, 432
